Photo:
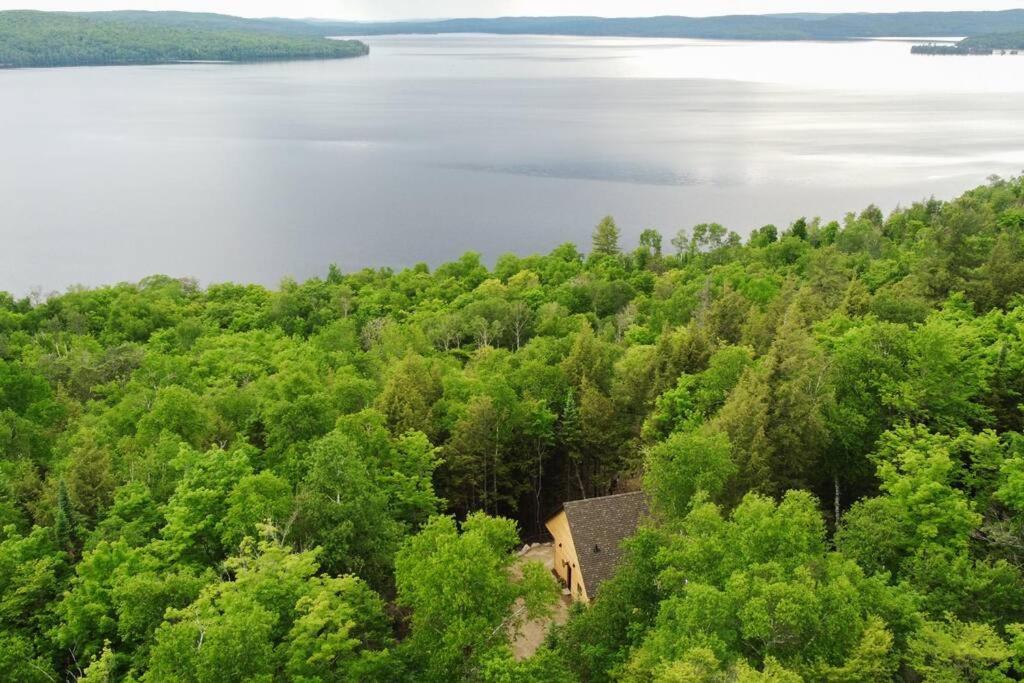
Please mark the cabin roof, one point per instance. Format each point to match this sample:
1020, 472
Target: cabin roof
598, 527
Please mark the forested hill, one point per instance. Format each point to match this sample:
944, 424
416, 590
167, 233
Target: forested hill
740, 27
232, 483
43, 39
752, 27
208, 20
141, 37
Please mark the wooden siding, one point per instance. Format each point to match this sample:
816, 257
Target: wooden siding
565, 554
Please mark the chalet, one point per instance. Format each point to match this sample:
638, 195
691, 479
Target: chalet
587, 538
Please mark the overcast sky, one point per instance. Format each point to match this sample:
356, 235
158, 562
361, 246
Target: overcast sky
405, 9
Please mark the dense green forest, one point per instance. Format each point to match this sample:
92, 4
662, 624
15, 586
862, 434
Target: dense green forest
960, 48
978, 45
997, 41
327, 481
43, 39
748, 27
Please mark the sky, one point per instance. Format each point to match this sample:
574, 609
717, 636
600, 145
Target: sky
413, 9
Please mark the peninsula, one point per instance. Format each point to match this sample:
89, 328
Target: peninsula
50, 39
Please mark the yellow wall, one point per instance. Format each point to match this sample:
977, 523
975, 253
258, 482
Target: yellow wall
565, 552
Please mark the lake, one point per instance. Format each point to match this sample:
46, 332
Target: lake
435, 145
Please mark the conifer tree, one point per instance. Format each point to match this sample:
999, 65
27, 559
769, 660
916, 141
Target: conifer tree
606, 238
65, 525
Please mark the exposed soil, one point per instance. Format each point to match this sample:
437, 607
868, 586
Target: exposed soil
534, 632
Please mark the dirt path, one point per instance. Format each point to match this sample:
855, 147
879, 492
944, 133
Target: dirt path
535, 631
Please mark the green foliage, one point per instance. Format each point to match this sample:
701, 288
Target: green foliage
37, 39
606, 238
776, 416
760, 588
118, 596
345, 508
273, 615
545, 665
684, 465
815, 26
827, 422
598, 638
697, 397
20, 662
994, 41
256, 499
955, 651
921, 528
31, 570
464, 599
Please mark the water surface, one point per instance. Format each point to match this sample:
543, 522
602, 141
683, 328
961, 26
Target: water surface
435, 145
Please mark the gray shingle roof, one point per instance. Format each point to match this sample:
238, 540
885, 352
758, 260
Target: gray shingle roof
598, 526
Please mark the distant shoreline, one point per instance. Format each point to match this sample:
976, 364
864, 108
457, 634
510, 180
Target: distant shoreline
33, 39
921, 26
30, 39
986, 45
181, 62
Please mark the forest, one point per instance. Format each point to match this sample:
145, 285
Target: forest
997, 41
328, 481
823, 26
988, 44
961, 48
49, 39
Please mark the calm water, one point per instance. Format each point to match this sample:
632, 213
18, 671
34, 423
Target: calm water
436, 145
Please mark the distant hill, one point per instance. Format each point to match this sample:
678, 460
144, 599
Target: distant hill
740, 27
209, 21
764, 27
45, 39
774, 27
30, 38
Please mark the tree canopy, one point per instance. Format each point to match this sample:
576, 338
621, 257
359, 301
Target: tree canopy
328, 481
44, 39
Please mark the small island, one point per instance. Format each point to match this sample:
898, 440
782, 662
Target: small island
51, 39
949, 49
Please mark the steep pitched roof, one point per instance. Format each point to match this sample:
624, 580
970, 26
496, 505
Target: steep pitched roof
598, 527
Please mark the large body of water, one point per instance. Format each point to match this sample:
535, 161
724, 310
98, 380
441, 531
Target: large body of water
437, 145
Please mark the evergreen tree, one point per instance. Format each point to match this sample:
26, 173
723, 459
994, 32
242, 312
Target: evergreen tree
606, 238
65, 523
